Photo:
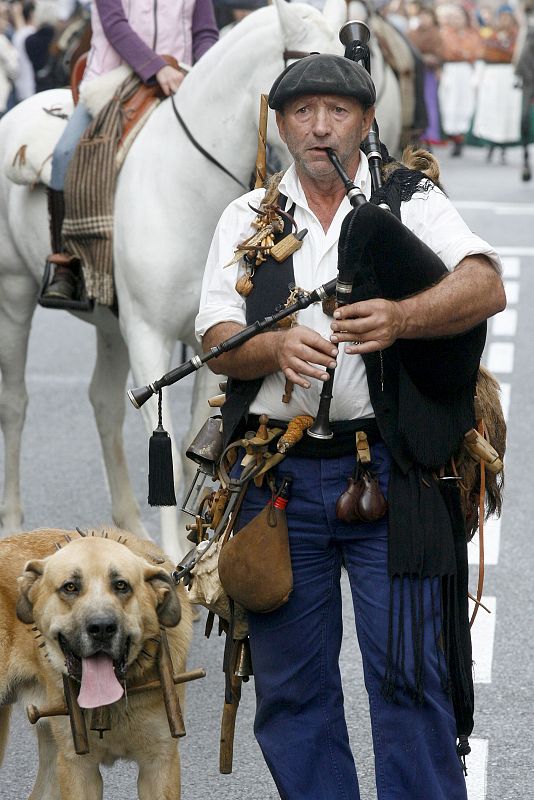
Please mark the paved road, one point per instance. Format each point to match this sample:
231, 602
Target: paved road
64, 485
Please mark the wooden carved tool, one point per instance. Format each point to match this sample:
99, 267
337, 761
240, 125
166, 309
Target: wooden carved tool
170, 697
35, 714
77, 719
226, 752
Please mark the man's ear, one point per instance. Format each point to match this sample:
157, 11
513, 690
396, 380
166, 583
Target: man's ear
281, 125
167, 602
28, 583
368, 117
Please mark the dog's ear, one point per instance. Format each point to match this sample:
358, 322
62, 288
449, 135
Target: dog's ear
168, 604
27, 583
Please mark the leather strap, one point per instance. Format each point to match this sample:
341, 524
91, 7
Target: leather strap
481, 509
200, 149
289, 55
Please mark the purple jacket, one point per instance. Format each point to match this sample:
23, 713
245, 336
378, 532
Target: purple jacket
138, 32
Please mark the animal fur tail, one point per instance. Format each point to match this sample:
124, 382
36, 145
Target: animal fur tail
5, 716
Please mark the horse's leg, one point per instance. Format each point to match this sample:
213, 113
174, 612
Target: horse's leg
17, 304
206, 385
150, 353
107, 395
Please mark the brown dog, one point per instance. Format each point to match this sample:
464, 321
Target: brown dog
92, 609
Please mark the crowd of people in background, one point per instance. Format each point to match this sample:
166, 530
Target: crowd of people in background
471, 89
471, 92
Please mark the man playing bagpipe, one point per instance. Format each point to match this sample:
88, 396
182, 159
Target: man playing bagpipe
405, 347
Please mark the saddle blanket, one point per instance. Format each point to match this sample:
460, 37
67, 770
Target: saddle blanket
120, 105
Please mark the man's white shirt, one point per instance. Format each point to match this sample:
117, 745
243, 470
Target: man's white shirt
430, 215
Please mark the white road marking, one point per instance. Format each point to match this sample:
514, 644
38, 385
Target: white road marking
511, 266
513, 250
505, 323
492, 540
505, 399
482, 637
496, 207
512, 292
500, 360
477, 763
501, 357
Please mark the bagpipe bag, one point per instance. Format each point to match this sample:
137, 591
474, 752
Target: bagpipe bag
436, 377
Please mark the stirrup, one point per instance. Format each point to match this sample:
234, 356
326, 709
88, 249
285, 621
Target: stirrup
78, 303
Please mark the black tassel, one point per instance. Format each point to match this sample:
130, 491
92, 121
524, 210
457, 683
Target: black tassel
463, 748
160, 470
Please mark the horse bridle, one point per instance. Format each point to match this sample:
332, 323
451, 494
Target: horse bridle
201, 149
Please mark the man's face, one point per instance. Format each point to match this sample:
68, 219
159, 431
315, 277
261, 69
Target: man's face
311, 123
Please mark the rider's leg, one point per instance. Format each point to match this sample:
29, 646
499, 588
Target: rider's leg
63, 284
64, 149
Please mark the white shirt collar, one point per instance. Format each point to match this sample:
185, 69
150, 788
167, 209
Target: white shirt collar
291, 187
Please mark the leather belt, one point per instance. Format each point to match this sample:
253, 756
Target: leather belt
343, 442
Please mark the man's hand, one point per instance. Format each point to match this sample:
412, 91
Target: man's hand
169, 79
299, 349
368, 326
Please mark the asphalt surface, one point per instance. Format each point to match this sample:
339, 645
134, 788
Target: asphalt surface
64, 486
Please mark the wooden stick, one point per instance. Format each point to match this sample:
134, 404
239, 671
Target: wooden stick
226, 752
35, 714
77, 719
261, 158
170, 698
182, 677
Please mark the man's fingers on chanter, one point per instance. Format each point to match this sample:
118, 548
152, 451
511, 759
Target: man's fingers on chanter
298, 380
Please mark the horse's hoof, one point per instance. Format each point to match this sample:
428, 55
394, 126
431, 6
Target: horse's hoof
526, 175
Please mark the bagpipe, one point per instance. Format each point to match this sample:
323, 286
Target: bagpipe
378, 256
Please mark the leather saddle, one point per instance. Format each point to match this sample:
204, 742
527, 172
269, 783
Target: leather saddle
136, 107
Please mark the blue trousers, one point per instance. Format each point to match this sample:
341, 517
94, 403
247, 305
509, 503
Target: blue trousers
64, 149
300, 721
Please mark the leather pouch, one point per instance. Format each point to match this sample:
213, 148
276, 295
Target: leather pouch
255, 564
362, 500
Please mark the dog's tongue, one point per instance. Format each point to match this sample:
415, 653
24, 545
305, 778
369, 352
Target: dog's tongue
100, 686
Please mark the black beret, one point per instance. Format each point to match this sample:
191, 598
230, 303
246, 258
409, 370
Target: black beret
322, 73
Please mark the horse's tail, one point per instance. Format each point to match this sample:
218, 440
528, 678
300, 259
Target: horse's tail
5, 716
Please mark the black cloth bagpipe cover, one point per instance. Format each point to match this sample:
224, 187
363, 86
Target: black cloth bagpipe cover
436, 377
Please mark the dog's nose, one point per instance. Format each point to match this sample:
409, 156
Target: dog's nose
102, 628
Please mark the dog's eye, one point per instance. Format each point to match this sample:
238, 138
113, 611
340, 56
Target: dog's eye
70, 587
121, 586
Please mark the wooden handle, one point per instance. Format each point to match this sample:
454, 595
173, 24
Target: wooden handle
261, 158
226, 752
217, 401
77, 719
166, 676
35, 714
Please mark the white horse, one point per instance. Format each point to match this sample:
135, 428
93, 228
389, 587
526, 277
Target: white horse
168, 201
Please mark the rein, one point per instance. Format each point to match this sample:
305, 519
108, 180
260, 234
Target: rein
200, 149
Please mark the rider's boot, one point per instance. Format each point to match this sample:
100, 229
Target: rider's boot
64, 284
